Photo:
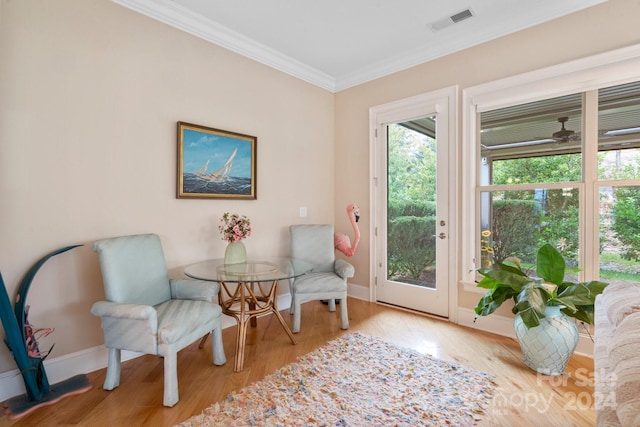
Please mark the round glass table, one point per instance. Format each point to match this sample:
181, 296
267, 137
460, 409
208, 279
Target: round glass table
248, 290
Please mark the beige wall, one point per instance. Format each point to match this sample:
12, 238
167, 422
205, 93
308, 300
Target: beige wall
90, 93
598, 29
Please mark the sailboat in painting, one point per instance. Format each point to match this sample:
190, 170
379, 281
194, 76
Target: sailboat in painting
226, 179
218, 175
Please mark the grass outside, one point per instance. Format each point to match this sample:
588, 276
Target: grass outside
613, 268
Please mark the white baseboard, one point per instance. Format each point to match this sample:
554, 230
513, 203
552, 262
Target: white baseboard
359, 292
502, 325
60, 368
495, 324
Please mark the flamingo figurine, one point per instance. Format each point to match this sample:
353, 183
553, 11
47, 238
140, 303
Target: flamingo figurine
341, 241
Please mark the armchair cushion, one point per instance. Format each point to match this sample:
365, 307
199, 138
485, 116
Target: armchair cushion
135, 270
314, 283
314, 243
180, 317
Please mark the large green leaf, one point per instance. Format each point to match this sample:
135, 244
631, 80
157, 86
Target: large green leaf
531, 302
583, 313
596, 287
492, 300
580, 298
533, 295
512, 265
550, 265
531, 317
487, 283
509, 278
577, 294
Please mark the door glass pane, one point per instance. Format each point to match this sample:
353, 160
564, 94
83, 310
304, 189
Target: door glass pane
619, 132
411, 202
517, 223
620, 234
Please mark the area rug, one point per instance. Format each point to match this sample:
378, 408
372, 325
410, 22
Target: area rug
358, 380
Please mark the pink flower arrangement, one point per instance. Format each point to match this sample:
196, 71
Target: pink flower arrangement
234, 227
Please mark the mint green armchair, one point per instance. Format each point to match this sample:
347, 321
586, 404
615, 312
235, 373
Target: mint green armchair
328, 280
147, 312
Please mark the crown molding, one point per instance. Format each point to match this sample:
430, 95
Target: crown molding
170, 13
178, 17
449, 44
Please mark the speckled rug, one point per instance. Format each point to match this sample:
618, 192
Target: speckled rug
358, 380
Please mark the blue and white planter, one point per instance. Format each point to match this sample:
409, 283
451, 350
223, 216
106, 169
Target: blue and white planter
548, 346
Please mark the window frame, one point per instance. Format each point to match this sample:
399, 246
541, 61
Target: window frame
581, 76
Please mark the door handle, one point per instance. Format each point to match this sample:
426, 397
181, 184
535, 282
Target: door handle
441, 236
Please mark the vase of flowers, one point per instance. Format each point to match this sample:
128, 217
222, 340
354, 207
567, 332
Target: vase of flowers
234, 228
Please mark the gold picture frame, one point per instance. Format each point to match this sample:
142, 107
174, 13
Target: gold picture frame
215, 163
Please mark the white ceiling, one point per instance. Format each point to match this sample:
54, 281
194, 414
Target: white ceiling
337, 44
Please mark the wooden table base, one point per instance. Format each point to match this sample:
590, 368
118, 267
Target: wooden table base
253, 301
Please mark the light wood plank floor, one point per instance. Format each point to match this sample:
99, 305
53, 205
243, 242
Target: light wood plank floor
523, 398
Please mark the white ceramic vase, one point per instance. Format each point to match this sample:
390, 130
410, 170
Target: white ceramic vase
548, 346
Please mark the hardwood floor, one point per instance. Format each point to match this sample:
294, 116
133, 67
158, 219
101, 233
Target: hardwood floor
522, 399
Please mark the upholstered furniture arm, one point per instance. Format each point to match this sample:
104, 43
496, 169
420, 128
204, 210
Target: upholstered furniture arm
344, 269
128, 326
194, 289
124, 311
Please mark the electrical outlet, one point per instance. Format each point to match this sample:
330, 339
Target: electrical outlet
303, 212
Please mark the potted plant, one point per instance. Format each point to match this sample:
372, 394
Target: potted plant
542, 305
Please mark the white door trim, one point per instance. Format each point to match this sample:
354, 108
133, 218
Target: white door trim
408, 106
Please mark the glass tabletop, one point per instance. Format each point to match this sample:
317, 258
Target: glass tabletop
254, 270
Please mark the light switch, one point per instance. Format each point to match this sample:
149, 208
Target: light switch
303, 212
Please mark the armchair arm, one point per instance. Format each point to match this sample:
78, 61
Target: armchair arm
124, 311
128, 326
194, 289
343, 268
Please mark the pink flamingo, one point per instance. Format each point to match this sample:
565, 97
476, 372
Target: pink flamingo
342, 241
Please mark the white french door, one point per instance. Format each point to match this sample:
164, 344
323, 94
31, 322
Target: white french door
413, 145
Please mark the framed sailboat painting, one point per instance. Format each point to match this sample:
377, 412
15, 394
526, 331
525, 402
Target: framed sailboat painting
215, 164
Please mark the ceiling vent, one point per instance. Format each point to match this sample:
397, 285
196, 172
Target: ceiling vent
453, 19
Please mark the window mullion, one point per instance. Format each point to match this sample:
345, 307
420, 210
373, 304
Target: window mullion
589, 214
